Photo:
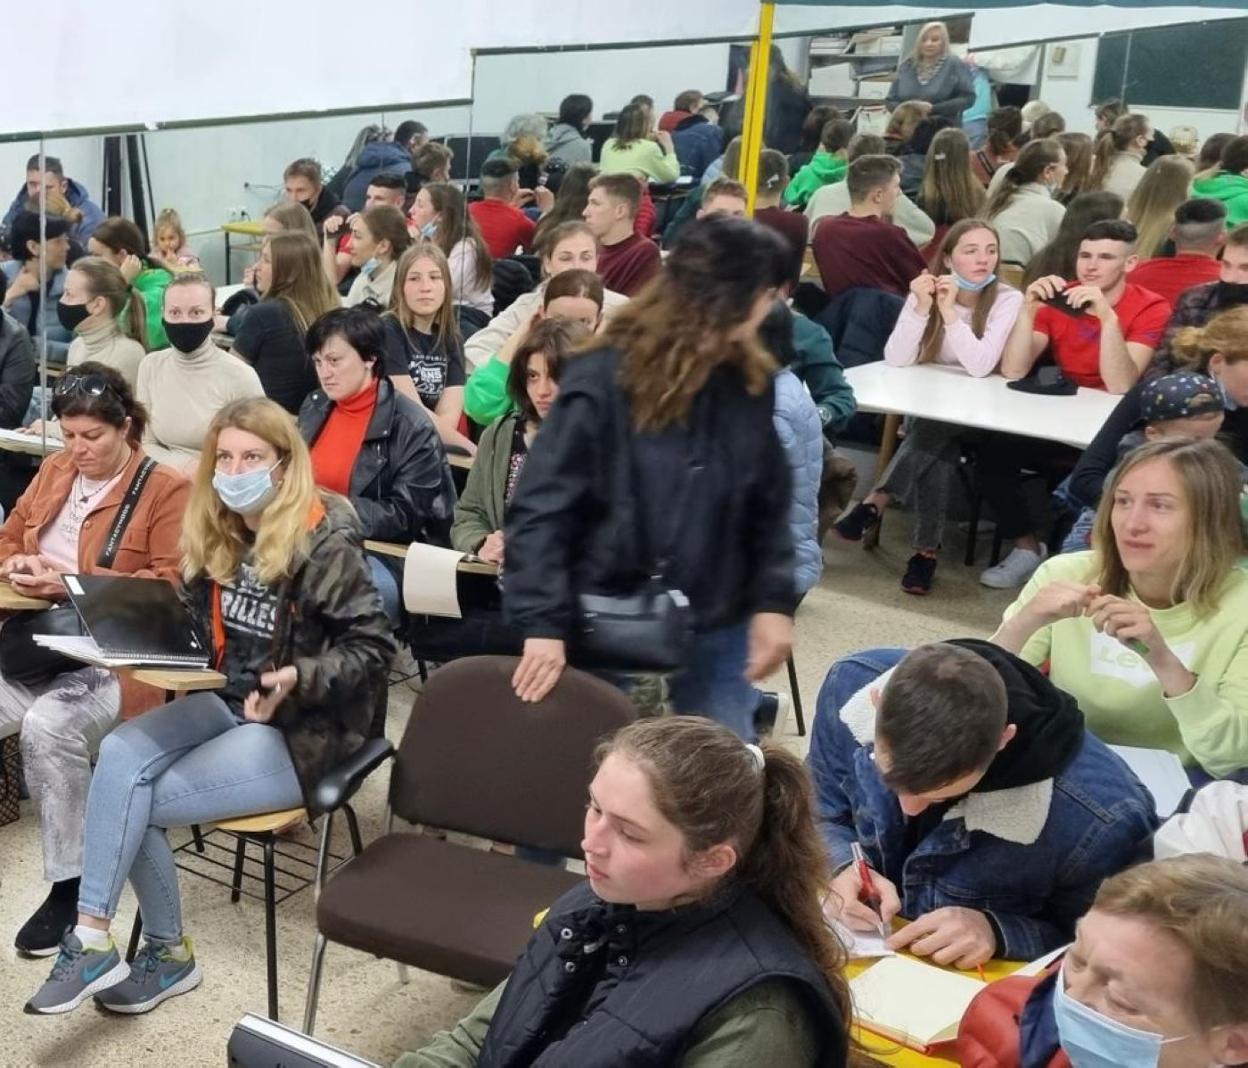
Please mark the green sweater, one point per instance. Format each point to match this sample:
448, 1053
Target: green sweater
1231, 189
1119, 694
767, 1024
151, 283
823, 169
485, 394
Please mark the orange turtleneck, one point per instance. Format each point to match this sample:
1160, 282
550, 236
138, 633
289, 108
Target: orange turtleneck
338, 444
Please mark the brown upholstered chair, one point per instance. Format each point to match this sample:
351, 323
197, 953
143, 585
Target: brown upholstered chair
476, 760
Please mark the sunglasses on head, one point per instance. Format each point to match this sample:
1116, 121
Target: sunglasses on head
91, 385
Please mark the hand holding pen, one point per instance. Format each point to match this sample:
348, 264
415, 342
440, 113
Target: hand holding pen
844, 903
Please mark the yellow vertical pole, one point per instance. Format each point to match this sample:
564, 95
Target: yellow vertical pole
756, 103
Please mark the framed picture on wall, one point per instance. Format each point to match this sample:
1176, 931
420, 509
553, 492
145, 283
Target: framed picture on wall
1062, 60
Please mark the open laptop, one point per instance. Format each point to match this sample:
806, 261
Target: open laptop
132, 622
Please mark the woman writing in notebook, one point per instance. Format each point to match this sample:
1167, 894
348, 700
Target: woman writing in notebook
277, 585
697, 939
64, 523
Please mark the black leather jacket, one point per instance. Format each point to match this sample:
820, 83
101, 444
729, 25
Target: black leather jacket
401, 483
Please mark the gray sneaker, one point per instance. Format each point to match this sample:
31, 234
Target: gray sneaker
155, 976
77, 974
1015, 570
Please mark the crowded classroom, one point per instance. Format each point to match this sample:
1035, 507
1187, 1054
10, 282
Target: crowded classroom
627, 571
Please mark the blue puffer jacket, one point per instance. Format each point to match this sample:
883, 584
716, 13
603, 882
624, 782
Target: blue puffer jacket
381, 157
76, 194
801, 433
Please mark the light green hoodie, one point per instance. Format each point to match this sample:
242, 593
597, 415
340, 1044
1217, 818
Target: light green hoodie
823, 169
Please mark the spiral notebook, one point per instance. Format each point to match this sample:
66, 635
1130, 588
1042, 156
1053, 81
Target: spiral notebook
132, 622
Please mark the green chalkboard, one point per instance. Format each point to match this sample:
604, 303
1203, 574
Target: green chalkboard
1200, 65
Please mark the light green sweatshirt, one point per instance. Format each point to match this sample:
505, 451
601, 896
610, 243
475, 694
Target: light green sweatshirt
485, 393
644, 158
1120, 695
823, 169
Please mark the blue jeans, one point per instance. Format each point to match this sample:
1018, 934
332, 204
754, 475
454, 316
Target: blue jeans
713, 683
388, 587
188, 762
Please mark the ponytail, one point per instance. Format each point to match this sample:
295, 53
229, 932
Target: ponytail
1117, 138
104, 279
1035, 158
1226, 334
133, 318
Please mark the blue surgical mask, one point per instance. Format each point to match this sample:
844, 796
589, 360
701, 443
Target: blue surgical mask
973, 287
429, 229
369, 267
1092, 1040
1228, 402
247, 491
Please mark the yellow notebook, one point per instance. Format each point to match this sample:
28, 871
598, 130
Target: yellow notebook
916, 1004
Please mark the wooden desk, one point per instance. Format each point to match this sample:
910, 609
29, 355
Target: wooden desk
888, 1051
460, 460
464, 567
245, 228
12, 601
176, 680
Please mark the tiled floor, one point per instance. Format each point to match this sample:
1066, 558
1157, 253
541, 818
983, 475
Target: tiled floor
363, 1007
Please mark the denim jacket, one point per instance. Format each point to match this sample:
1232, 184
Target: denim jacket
1031, 858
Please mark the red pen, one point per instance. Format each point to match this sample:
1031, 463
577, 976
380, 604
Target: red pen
868, 895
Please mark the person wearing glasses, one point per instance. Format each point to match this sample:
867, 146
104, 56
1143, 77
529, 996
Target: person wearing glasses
62, 524
277, 584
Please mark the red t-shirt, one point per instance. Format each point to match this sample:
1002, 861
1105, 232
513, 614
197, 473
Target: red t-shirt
1168, 276
1075, 341
504, 227
628, 265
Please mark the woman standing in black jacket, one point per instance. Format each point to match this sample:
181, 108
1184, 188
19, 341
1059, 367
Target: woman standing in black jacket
660, 457
374, 445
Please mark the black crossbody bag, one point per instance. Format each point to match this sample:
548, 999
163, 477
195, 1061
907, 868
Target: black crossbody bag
651, 628
21, 659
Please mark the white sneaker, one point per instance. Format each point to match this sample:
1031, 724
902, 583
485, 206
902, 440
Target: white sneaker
1014, 570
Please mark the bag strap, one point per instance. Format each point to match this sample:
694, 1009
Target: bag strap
987, 164
126, 512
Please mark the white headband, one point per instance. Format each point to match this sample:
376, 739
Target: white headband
759, 757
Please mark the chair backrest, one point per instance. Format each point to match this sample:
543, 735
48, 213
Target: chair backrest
470, 153
1011, 274
476, 759
512, 279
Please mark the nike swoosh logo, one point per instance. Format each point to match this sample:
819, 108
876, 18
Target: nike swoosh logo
92, 974
166, 981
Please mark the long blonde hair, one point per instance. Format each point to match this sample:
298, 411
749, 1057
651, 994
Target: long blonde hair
950, 190
293, 217
1151, 206
934, 332
445, 323
214, 539
298, 279
1212, 485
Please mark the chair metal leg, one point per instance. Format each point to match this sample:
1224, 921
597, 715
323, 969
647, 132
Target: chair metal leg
135, 931
314, 983
353, 825
198, 836
270, 924
240, 855
405, 975
422, 670
797, 698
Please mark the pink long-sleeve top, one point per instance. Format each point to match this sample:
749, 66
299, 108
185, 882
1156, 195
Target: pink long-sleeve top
978, 356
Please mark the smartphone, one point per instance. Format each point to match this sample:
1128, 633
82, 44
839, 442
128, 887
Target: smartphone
1061, 304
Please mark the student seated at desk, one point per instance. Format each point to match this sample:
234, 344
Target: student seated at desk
96, 294
793, 226
503, 225
294, 294
378, 238
834, 199
1117, 165
861, 248
18, 369
1022, 207
987, 813
440, 215
1149, 630
570, 246
704, 873
424, 350
53, 178
1152, 205
531, 385
828, 165
572, 296
63, 523
277, 583
303, 182
122, 243
948, 192
1228, 181
1004, 126
962, 319
183, 387
1198, 233
1156, 976
22, 299
637, 149
626, 260
1061, 255
374, 445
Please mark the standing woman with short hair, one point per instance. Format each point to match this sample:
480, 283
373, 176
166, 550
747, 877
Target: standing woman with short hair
661, 457
424, 348
294, 294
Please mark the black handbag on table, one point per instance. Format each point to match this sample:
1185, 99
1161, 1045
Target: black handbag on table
649, 630
29, 664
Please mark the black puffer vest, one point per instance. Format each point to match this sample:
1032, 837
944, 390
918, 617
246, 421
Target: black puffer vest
605, 985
